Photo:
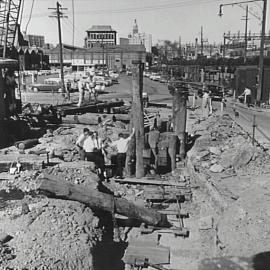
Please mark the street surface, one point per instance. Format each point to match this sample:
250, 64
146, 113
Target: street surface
159, 93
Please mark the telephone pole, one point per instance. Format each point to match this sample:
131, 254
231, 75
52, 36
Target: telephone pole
201, 41
261, 62
246, 19
180, 47
58, 13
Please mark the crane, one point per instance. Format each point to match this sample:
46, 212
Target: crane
9, 15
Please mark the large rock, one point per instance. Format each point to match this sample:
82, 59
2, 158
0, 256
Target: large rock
243, 157
216, 168
215, 150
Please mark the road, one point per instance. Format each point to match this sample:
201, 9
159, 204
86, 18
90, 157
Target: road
157, 92
246, 116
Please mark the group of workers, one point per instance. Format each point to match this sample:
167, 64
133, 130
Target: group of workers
86, 84
92, 148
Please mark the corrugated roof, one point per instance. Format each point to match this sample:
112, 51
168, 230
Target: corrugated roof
100, 28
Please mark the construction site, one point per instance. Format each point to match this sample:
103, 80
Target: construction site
169, 185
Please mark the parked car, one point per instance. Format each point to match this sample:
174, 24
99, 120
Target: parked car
107, 81
49, 85
156, 77
129, 73
164, 79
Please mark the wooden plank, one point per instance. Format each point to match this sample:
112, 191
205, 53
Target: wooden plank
144, 181
140, 250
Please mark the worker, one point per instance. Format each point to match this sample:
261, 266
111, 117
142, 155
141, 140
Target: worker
82, 87
205, 104
121, 146
93, 152
247, 96
9, 92
68, 89
80, 142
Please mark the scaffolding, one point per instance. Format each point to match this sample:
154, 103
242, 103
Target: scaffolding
9, 14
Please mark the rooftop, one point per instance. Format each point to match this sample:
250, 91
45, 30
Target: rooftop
107, 28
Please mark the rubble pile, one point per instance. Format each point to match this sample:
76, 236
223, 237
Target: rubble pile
49, 234
224, 148
234, 173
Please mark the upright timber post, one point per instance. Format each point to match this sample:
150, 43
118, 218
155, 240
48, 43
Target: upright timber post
2, 111
59, 13
261, 61
180, 115
137, 109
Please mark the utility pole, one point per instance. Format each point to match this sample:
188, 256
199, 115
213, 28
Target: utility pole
246, 19
180, 47
261, 62
201, 40
137, 117
58, 13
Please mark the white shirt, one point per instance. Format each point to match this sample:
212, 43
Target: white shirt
81, 140
247, 92
122, 145
89, 145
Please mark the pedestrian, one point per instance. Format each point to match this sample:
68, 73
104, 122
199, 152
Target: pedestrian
80, 142
122, 146
247, 96
205, 104
68, 89
92, 146
82, 88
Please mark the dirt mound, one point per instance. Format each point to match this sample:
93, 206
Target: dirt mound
53, 235
243, 228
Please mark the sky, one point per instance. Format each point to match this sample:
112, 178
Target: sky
164, 19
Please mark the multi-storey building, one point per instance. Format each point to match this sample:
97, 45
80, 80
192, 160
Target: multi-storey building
140, 38
102, 34
114, 57
35, 40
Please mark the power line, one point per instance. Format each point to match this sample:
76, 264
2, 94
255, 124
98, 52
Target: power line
22, 8
185, 3
30, 16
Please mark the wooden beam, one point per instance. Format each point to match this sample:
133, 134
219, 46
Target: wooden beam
55, 188
151, 182
180, 116
138, 118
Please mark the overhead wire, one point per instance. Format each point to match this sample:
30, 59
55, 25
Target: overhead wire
21, 12
30, 15
184, 3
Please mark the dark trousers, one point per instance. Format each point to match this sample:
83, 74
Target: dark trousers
82, 154
120, 163
248, 99
97, 158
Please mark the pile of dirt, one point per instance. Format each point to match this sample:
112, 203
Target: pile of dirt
48, 234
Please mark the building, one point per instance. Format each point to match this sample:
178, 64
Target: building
123, 41
35, 40
140, 38
102, 34
116, 57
